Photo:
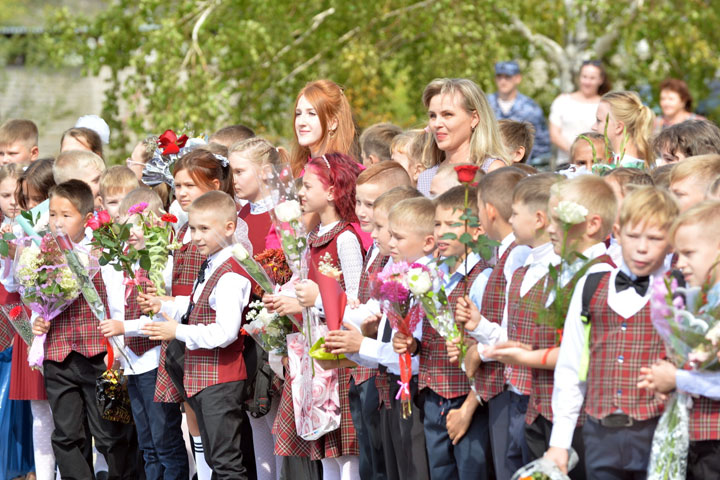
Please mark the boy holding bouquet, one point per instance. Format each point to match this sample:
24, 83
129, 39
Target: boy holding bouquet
74, 358
603, 372
158, 424
208, 323
695, 238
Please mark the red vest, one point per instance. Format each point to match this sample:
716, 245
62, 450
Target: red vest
186, 264
327, 243
436, 371
76, 328
258, 227
704, 419
203, 367
139, 345
490, 377
619, 347
522, 313
362, 374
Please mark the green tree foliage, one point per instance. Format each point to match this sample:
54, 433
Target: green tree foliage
196, 65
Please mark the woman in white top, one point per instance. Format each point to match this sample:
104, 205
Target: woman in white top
574, 113
463, 128
629, 127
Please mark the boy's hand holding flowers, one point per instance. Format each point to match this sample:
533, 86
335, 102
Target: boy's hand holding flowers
343, 341
40, 326
659, 378
161, 330
467, 314
306, 292
149, 303
403, 344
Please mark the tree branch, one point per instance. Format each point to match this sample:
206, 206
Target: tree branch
317, 20
604, 43
195, 46
548, 45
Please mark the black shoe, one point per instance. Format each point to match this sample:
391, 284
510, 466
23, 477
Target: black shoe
102, 475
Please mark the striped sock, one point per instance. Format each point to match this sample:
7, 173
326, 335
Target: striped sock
204, 472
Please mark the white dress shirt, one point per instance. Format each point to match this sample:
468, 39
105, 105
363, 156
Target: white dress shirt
568, 390
705, 383
228, 299
538, 262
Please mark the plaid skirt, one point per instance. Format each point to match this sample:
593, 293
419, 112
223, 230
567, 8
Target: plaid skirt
342, 441
165, 391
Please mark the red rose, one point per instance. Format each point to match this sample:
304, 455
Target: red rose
169, 217
104, 217
93, 223
15, 312
170, 143
466, 173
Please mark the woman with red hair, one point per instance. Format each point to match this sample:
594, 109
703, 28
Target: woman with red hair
322, 124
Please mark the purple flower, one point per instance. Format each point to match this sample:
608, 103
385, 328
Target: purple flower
394, 292
137, 208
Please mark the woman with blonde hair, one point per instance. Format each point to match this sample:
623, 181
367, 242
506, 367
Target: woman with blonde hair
629, 127
463, 128
322, 124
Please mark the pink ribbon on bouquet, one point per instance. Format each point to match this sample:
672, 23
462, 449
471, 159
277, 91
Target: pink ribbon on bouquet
404, 388
133, 282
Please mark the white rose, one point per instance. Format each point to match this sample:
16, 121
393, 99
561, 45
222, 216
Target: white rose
240, 253
288, 211
570, 212
419, 281
714, 334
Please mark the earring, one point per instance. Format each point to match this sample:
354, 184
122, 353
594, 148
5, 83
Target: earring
332, 133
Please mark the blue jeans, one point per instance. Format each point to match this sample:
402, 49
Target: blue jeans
470, 458
160, 437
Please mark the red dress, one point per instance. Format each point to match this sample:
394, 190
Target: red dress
259, 228
25, 383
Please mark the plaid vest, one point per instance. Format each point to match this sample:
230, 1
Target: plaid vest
544, 336
186, 264
618, 348
490, 377
327, 243
704, 419
75, 329
436, 371
522, 313
7, 332
139, 345
362, 374
203, 367
258, 227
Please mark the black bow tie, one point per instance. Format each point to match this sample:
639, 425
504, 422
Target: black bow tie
640, 284
201, 273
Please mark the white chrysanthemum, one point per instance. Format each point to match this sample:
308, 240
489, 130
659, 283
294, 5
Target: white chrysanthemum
419, 281
571, 212
714, 334
288, 211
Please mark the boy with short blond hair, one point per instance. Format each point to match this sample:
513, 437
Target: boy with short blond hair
208, 322
18, 141
690, 179
608, 337
406, 150
694, 235
519, 138
81, 165
115, 183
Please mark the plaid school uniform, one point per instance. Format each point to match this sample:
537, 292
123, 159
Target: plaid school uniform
362, 374
75, 329
436, 372
139, 345
186, 264
704, 419
207, 367
619, 347
342, 441
490, 377
545, 336
522, 312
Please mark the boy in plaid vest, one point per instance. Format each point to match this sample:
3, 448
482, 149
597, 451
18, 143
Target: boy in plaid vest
158, 424
456, 425
371, 184
695, 238
603, 372
74, 358
208, 322
494, 209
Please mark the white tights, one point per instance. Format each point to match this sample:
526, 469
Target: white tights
341, 468
42, 428
267, 463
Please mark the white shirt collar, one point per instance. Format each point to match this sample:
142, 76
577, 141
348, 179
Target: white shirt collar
505, 244
217, 259
542, 255
472, 260
326, 228
262, 206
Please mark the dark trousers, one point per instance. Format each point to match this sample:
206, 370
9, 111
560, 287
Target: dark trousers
220, 415
365, 411
403, 439
470, 457
704, 460
70, 386
617, 453
158, 425
507, 433
537, 436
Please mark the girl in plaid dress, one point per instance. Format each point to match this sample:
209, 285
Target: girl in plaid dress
329, 191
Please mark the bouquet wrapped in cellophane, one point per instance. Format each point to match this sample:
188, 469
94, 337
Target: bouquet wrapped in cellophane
688, 321
269, 330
